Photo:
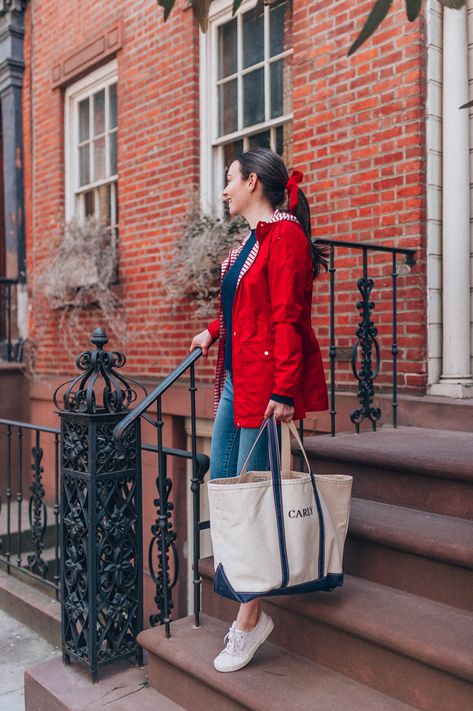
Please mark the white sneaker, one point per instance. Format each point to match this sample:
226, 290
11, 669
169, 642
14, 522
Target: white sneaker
241, 646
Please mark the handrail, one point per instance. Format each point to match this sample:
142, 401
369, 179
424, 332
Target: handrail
159, 390
30, 426
408, 251
8, 280
203, 460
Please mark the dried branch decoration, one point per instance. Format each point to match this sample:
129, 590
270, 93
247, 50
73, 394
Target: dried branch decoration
82, 266
196, 256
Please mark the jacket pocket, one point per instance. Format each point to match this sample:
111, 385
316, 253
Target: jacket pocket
259, 352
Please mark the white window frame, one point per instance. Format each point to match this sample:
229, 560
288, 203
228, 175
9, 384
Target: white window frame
94, 81
211, 145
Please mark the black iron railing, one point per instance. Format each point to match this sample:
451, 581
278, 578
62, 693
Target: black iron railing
29, 527
10, 348
366, 334
163, 535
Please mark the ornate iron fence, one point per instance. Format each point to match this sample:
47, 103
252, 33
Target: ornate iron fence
366, 333
163, 535
29, 522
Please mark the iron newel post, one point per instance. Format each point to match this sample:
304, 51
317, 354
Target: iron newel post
100, 513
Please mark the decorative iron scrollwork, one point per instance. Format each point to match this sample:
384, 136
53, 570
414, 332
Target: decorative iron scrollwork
111, 458
80, 395
117, 571
366, 339
37, 515
164, 541
75, 446
75, 588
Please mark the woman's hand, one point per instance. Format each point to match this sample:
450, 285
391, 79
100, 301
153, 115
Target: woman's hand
280, 411
203, 340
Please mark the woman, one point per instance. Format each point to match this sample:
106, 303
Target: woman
269, 361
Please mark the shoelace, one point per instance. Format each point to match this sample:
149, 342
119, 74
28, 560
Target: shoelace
233, 638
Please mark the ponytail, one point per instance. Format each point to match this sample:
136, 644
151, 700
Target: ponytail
319, 253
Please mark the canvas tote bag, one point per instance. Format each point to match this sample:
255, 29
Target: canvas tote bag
280, 532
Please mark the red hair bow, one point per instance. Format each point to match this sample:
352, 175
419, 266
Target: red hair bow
293, 189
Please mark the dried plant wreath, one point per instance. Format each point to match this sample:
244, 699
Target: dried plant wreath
82, 265
196, 256
78, 275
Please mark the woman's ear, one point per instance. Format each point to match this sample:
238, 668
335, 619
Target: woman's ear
252, 178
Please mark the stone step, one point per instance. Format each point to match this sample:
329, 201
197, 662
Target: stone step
427, 554
181, 667
431, 470
426, 411
54, 686
31, 603
408, 647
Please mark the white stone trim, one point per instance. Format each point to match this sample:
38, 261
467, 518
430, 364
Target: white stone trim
448, 141
433, 15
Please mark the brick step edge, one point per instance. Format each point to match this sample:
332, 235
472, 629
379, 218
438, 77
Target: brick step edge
32, 606
430, 632
55, 686
436, 453
432, 535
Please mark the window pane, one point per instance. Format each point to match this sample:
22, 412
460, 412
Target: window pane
253, 38
276, 70
262, 140
228, 107
84, 165
253, 97
89, 203
227, 44
99, 112
276, 29
83, 120
105, 203
113, 152
99, 158
112, 94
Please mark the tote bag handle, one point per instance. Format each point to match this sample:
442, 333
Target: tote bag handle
286, 429
264, 424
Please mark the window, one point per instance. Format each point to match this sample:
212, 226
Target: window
245, 89
91, 127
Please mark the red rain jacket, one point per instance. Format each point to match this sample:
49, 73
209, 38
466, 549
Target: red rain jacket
274, 349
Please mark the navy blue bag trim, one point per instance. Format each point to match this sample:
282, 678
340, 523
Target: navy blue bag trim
321, 526
223, 587
274, 465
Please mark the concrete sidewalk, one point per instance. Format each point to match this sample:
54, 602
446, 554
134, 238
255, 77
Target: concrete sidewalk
20, 648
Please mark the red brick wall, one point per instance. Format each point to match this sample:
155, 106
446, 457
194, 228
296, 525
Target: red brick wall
358, 136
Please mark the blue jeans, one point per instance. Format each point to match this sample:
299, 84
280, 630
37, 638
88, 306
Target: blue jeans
231, 445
